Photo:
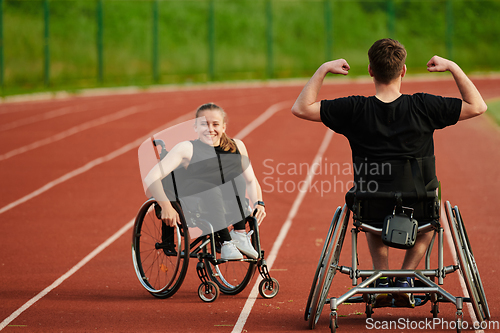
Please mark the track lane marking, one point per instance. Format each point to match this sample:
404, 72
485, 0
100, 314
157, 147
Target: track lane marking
79, 128
65, 276
49, 115
262, 118
91, 165
247, 308
248, 129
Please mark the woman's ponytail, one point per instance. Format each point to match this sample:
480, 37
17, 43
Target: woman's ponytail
227, 144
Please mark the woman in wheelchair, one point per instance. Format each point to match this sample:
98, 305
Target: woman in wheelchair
203, 168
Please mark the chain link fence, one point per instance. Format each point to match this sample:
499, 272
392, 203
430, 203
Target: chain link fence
73, 44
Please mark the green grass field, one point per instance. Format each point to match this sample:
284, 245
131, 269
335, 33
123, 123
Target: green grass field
494, 110
247, 39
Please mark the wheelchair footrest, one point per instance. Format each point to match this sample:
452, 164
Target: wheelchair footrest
419, 300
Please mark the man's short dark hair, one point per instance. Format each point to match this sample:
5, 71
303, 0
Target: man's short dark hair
387, 58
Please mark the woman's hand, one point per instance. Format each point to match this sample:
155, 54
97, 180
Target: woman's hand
259, 213
169, 214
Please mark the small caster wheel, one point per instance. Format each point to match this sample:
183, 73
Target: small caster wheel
369, 310
208, 292
459, 315
269, 288
435, 310
459, 324
333, 322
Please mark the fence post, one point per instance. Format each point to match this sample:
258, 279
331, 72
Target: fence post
211, 40
154, 59
391, 17
449, 28
99, 16
269, 30
46, 19
328, 30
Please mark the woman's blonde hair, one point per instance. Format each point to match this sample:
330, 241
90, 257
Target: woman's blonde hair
225, 141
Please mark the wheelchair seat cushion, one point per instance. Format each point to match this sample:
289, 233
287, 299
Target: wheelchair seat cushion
374, 211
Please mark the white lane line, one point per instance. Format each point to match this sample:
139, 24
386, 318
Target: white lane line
47, 115
64, 277
79, 128
451, 246
126, 227
262, 118
91, 165
259, 120
238, 327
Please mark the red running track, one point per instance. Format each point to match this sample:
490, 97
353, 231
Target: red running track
70, 181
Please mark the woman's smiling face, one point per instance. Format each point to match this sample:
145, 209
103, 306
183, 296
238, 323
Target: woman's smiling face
210, 126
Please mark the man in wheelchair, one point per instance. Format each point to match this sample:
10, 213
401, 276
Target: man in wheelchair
395, 130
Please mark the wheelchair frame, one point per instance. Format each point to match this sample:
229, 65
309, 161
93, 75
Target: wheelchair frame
161, 255
425, 283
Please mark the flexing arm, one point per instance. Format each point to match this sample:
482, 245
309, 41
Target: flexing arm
306, 106
472, 102
180, 154
253, 187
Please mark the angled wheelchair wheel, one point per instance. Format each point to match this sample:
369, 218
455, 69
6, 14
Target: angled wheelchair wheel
467, 263
329, 267
320, 267
269, 288
208, 292
230, 276
160, 253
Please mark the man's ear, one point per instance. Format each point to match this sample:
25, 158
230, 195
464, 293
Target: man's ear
370, 70
403, 72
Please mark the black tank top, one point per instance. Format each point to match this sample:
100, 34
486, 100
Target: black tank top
213, 164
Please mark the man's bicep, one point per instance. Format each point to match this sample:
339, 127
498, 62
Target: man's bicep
467, 111
315, 111
308, 112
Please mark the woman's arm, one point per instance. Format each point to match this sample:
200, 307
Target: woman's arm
253, 187
180, 154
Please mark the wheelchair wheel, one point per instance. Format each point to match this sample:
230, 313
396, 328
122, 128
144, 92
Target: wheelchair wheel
208, 292
269, 288
320, 263
160, 253
330, 264
467, 264
230, 276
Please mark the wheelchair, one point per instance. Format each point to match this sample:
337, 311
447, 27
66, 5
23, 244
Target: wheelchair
161, 253
425, 289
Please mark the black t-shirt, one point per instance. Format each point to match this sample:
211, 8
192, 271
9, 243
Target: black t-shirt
395, 132
381, 131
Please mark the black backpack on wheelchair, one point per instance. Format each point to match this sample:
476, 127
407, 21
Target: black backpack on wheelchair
395, 195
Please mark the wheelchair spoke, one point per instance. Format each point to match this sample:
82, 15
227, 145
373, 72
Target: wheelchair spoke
468, 267
158, 260
329, 266
230, 276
